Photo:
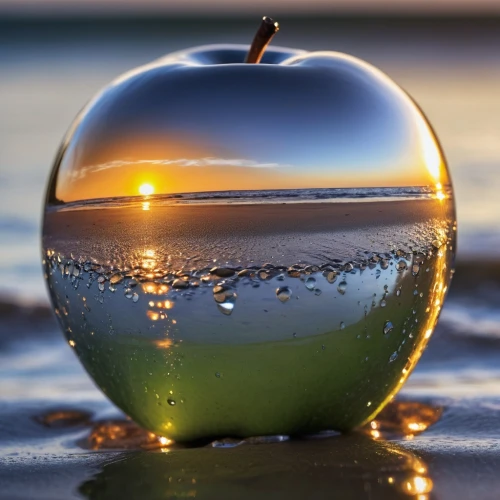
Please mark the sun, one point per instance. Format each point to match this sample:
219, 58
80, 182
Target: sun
146, 189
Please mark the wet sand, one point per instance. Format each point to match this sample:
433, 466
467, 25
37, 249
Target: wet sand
274, 233
265, 218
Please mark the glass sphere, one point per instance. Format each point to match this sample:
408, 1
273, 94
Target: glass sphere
249, 249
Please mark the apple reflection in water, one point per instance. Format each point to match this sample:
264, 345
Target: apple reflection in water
243, 249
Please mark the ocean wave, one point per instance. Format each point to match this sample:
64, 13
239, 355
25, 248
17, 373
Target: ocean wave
268, 196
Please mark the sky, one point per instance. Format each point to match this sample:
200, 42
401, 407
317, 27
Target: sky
49, 7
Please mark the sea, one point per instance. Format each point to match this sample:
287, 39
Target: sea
328, 195
48, 71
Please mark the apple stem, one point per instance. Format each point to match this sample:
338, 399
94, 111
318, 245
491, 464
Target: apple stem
267, 29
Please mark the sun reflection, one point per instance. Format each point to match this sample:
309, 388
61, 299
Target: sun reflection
146, 189
164, 343
153, 316
149, 287
164, 441
418, 485
402, 419
145, 206
440, 195
118, 434
430, 149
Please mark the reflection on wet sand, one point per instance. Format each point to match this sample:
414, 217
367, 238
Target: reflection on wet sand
348, 467
351, 466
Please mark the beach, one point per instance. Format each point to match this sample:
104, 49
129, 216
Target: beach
189, 235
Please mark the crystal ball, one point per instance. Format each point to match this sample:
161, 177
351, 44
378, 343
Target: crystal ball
249, 249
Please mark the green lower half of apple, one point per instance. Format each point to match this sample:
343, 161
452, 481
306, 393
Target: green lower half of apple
185, 391
291, 368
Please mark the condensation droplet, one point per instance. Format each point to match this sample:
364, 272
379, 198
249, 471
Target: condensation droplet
330, 276
116, 278
171, 402
310, 283
226, 308
263, 274
388, 327
180, 284
342, 287
284, 293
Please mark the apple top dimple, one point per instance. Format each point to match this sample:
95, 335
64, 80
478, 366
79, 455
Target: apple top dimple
228, 54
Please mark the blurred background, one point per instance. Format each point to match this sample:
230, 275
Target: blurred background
55, 55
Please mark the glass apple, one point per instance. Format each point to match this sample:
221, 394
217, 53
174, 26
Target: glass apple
242, 249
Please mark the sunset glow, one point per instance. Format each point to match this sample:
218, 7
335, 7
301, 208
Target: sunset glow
146, 189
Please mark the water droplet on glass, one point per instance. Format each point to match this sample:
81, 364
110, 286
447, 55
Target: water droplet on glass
128, 293
342, 325
180, 284
415, 269
310, 283
342, 287
401, 265
383, 303
226, 308
330, 276
222, 272
263, 274
116, 278
284, 293
388, 327
135, 297
171, 402
393, 357
224, 293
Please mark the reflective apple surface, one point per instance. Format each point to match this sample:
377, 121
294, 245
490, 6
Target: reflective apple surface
249, 249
